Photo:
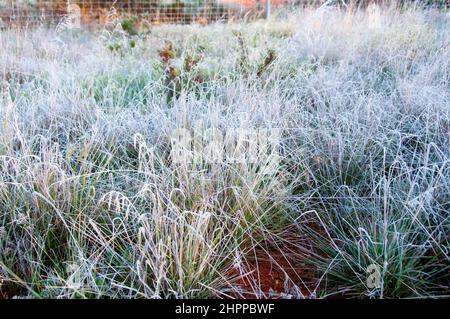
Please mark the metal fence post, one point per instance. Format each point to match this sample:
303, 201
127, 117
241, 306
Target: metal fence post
267, 9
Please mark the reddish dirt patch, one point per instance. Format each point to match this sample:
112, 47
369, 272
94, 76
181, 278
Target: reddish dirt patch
276, 270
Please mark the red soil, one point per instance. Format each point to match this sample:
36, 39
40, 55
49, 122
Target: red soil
276, 271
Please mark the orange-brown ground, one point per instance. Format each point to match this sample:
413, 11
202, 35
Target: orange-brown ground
277, 270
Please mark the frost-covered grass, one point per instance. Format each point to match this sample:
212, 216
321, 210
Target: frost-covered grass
91, 204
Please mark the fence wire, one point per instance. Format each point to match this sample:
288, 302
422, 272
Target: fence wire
154, 11
26, 12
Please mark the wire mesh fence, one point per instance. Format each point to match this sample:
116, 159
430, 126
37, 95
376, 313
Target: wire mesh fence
26, 12
154, 11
